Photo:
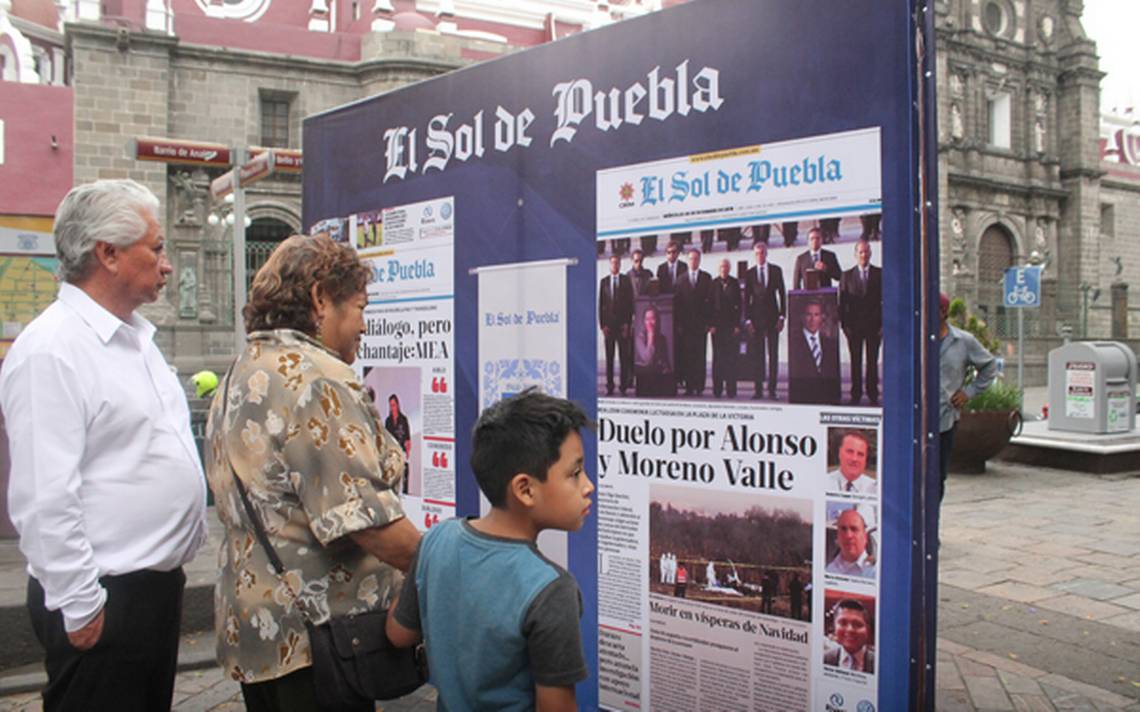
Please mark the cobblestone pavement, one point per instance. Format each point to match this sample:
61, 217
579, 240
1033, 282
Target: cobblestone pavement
1039, 596
1039, 601
207, 691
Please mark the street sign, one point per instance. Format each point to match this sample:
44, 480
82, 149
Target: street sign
172, 150
1022, 287
251, 171
285, 160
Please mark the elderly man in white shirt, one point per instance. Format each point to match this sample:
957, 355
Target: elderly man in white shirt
107, 490
851, 538
851, 475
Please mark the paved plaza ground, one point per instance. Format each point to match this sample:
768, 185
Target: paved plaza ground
1039, 603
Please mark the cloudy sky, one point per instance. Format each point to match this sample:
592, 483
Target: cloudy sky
1113, 24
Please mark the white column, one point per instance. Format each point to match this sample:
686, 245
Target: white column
58, 62
21, 67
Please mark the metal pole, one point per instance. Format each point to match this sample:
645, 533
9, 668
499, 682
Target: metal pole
240, 155
1020, 352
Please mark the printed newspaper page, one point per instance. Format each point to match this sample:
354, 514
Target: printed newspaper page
406, 351
740, 331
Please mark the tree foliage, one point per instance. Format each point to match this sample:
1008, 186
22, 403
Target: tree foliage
769, 537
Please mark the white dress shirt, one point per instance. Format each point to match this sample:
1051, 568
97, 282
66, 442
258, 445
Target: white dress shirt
855, 662
105, 478
862, 484
859, 567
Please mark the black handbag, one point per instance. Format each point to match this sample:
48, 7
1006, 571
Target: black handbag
353, 661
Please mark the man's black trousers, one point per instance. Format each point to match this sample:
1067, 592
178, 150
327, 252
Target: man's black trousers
132, 667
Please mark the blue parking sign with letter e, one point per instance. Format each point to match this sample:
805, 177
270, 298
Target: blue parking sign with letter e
1022, 287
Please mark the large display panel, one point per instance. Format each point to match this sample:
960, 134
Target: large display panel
702, 225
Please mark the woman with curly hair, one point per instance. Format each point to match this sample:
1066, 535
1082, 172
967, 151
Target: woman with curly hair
293, 423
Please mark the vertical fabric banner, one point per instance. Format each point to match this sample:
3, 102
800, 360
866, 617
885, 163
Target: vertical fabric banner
522, 329
522, 343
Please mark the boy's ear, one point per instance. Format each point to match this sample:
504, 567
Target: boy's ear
522, 486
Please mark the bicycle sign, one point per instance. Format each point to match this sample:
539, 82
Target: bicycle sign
1022, 287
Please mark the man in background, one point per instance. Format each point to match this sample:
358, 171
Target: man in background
861, 317
724, 325
693, 292
615, 316
813, 359
765, 306
824, 262
959, 352
639, 276
669, 271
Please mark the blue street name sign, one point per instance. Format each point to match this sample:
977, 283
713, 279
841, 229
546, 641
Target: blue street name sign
1022, 287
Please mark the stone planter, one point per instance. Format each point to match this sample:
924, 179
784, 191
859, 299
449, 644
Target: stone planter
980, 436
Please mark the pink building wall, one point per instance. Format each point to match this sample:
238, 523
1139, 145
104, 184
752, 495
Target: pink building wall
35, 176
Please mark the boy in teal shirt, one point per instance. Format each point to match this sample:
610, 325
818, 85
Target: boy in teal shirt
500, 620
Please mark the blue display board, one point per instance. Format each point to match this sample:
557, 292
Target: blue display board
492, 202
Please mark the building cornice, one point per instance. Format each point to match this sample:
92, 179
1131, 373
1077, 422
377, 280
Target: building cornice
350, 71
1006, 186
1113, 183
1077, 173
36, 31
1012, 54
120, 37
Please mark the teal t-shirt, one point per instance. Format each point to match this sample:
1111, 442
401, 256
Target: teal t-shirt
497, 618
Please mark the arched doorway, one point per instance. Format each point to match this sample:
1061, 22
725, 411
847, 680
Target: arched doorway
261, 237
995, 255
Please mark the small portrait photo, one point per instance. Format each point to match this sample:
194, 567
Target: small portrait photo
849, 631
369, 230
652, 355
852, 539
751, 554
813, 347
852, 460
395, 391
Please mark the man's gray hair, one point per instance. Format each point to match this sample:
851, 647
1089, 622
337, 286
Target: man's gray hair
108, 211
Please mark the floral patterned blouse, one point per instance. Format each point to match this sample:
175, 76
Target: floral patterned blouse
306, 442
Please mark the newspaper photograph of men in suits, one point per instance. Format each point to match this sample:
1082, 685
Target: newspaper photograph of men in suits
615, 317
691, 300
765, 308
813, 349
724, 325
816, 267
861, 316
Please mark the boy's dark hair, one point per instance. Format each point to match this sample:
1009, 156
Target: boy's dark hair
521, 434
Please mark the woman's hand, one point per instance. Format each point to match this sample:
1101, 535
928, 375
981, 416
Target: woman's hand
393, 543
